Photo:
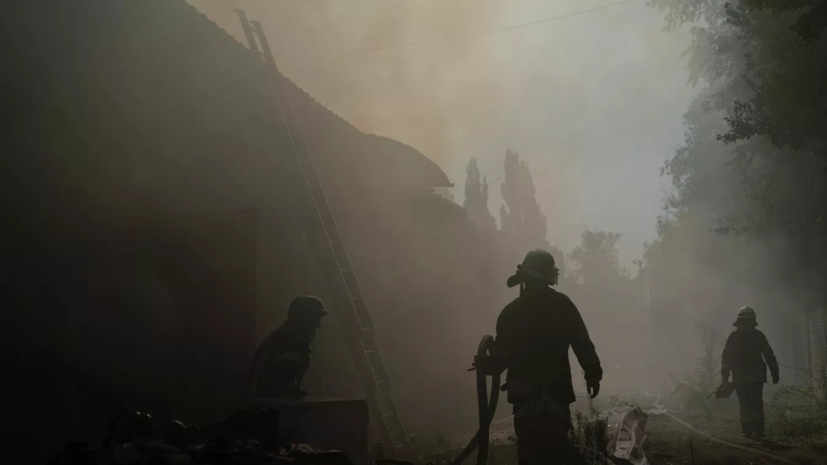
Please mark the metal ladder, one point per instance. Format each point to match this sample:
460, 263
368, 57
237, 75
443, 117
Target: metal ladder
349, 303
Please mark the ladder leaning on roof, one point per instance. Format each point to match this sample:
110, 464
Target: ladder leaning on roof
348, 302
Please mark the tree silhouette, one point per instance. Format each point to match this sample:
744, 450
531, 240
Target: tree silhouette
594, 261
520, 215
476, 198
761, 113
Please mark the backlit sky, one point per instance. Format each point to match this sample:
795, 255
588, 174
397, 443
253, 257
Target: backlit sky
593, 101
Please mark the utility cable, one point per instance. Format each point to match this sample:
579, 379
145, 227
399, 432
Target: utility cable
725, 443
686, 425
493, 31
348, 56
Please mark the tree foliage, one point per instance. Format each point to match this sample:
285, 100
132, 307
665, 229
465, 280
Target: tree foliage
476, 198
755, 153
520, 216
811, 19
594, 263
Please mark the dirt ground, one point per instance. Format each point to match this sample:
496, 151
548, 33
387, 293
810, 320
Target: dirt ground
670, 443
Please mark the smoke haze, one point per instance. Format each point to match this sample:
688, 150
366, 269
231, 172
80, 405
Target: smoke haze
592, 101
163, 232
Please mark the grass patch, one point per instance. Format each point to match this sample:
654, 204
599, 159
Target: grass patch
692, 389
796, 416
799, 410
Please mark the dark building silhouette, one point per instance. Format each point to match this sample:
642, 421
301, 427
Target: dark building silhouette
151, 236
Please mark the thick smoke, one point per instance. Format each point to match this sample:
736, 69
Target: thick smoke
592, 101
153, 137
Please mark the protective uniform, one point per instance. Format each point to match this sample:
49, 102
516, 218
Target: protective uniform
534, 333
283, 358
746, 355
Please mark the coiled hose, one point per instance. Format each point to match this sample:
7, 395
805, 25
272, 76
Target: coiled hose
486, 408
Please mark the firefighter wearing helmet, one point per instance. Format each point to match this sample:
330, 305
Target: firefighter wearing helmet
747, 354
534, 333
283, 358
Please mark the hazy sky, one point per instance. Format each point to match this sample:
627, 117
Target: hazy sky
592, 101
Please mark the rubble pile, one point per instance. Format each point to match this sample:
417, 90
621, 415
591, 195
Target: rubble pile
247, 437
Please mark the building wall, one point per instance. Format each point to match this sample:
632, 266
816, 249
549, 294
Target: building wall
127, 124
815, 342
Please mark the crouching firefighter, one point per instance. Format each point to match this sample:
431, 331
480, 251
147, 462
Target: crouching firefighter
747, 354
283, 358
534, 333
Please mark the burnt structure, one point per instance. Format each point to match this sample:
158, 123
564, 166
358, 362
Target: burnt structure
154, 237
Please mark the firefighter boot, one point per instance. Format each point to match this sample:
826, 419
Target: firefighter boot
747, 430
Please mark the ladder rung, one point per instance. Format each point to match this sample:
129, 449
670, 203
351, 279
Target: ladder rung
370, 366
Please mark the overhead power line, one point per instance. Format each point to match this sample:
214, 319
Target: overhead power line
492, 31
516, 26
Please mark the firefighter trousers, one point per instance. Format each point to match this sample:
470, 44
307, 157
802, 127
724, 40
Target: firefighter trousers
542, 426
751, 403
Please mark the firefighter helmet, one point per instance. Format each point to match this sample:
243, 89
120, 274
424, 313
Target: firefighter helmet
306, 307
746, 316
538, 264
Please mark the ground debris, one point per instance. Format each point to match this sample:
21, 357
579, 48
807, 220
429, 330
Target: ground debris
247, 437
625, 437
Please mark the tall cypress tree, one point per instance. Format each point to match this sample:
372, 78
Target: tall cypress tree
476, 198
520, 215
511, 209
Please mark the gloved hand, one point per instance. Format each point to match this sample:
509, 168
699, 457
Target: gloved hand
775, 378
476, 364
483, 365
593, 387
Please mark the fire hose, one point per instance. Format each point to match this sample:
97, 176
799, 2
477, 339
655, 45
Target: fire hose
486, 407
